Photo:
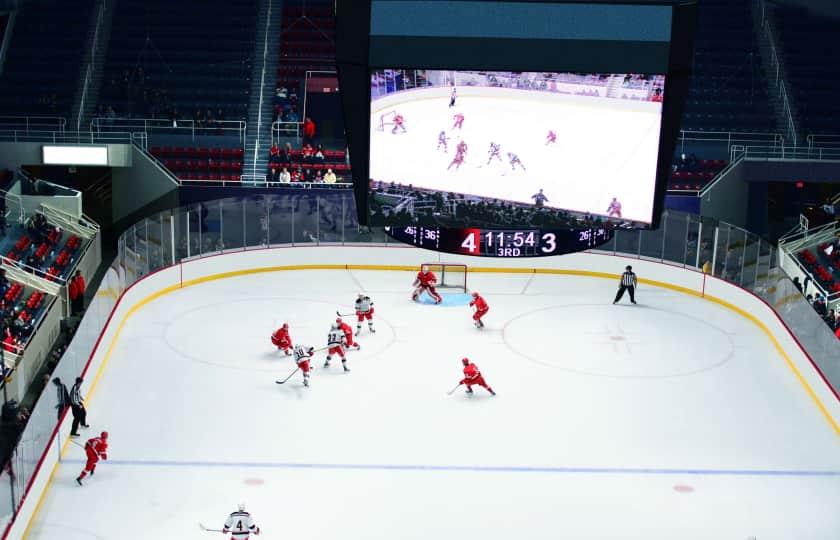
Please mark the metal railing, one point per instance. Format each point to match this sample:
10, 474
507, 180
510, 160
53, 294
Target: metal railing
91, 62
786, 153
193, 128
777, 76
772, 140
65, 137
36, 123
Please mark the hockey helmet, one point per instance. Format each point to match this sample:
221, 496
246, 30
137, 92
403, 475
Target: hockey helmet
334, 327
475, 294
465, 361
104, 435
241, 507
338, 320
285, 325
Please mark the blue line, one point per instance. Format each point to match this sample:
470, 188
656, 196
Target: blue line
471, 468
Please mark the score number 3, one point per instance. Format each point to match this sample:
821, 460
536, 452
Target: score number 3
549, 243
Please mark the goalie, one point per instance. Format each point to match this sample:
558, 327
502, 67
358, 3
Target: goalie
426, 281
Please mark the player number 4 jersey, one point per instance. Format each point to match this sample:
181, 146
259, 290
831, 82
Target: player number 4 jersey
240, 523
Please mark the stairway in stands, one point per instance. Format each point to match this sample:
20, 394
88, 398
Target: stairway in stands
263, 82
84, 104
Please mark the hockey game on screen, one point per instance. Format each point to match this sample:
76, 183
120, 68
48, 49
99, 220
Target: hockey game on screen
585, 143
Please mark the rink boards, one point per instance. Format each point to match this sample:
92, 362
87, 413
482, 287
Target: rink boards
514, 447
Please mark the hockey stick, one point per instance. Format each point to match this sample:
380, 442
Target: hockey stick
278, 381
205, 529
453, 390
77, 444
344, 314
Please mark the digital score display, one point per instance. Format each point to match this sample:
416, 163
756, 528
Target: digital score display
501, 243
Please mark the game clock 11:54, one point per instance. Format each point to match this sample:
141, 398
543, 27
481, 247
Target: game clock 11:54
502, 243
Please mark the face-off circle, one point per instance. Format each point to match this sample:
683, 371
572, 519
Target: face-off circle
603, 340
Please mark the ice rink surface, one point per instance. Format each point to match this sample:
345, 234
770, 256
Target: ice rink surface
601, 151
673, 419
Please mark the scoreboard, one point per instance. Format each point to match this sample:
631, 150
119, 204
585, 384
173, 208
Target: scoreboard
501, 243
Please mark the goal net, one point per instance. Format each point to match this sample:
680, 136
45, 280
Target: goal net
451, 276
386, 119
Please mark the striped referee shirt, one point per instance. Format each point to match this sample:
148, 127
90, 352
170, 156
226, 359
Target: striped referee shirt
628, 279
76, 395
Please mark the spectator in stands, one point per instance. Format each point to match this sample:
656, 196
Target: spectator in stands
657, 95
831, 320
284, 176
292, 116
286, 156
62, 396
330, 177
819, 305
77, 293
307, 153
297, 175
318, 178
4, 282
797, 284
308, 131
805, 283
281, 92
319, 153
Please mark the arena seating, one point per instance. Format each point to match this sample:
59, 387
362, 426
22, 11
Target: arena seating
44, 59
307, 44
42, 246
728, 88
164, 62
213, 164
811, 56
694, 174
307, 167
821, 266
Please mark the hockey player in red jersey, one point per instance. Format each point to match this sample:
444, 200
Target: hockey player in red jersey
614, 209
399, 122
472, 376
461, 148
335, 345
458, 160
282, 340
459, 121
348, 333
425, 281
96, 448
364, 311
481, 309
551, 138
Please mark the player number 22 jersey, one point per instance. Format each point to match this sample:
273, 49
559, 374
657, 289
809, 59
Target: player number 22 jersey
335, 338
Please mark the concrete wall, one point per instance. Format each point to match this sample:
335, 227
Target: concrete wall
727, 200
138, 186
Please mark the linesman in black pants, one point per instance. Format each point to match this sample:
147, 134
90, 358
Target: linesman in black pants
628, 283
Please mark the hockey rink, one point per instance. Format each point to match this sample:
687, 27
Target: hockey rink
604, 149
672, 419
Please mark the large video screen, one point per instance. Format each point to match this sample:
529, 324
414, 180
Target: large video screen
505, 148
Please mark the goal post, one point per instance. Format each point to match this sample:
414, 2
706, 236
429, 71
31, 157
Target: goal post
449, 275
386, 118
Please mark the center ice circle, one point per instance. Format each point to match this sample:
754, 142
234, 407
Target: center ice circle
616, 341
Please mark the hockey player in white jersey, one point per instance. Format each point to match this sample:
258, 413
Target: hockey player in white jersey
364, 310
335, 344
240, 525
303, 354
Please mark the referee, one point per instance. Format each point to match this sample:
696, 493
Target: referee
628, 283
